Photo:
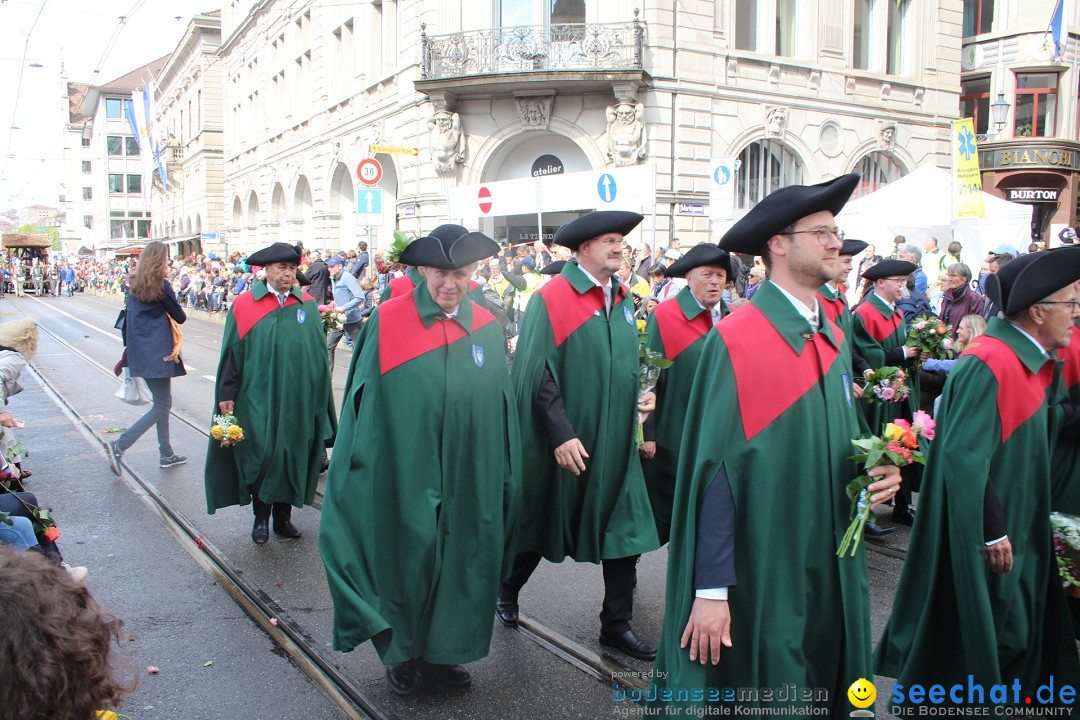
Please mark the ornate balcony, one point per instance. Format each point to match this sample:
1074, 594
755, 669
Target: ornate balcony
531, 53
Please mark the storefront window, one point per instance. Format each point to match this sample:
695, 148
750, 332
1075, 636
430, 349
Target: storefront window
975, 102
1036, 105
764, 166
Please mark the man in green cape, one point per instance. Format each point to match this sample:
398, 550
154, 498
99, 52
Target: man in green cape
273, 376
576, 376
979, 599
756, 595
878, 336
677, 329
422, 492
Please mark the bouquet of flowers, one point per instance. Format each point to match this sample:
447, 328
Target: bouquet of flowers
652, 363
930, 335
887, 385
226, 430
898, 445
1066, 532
332, 318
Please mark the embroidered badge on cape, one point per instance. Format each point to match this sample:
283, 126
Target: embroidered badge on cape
478, 355
629, 315
301, 316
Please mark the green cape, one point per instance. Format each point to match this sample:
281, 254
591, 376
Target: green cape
672, 397
603, 513
952, 617
422, 492
799, 613
284, 404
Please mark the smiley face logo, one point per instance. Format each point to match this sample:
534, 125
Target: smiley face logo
862, 693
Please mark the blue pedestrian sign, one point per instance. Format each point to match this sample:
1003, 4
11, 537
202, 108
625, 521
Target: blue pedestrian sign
722, 175
606, 188
369, 206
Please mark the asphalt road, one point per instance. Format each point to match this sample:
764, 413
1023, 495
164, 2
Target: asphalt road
183, 620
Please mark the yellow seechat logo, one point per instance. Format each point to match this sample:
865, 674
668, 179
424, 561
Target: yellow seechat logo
862, 693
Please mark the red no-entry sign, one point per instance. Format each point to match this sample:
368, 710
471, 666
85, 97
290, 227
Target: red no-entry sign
484, 200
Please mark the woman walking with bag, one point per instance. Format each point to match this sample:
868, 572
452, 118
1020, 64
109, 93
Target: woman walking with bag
150, 350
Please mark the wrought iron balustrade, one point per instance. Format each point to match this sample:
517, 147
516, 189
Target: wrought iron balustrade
533, 48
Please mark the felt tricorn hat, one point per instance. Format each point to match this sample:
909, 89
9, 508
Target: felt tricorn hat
853, 247
703, 254
890, 268
553, 268
1032, 277
278, 252
594, 224
448, 247
780, 209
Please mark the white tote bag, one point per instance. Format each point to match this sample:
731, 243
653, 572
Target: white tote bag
133, 390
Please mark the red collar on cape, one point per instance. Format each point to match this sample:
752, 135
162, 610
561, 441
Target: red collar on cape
404, 337
879, 326
247, 311
834, 308
769, 376
1020, 392
676, 331
568, 309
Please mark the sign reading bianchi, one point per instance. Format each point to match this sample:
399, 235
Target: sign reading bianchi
1023, 157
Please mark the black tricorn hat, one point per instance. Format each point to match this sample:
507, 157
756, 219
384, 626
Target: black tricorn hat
278, 252
553, 268
1032, 277
448, 247
703, 254
594, 224
890, 268
780, 209
853, 247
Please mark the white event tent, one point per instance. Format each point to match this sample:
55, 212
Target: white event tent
919, 205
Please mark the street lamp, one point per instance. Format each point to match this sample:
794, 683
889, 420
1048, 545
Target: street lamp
999, 110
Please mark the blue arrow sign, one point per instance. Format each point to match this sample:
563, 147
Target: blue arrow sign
369, 201
606, 188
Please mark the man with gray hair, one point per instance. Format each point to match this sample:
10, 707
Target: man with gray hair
908, 252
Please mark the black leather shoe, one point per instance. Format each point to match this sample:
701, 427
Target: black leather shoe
285, 529
452, 675
629, 643
875, 530
260, 532
903, 517
402, 677
507, 611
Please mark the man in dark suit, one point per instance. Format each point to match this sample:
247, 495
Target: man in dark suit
319, 275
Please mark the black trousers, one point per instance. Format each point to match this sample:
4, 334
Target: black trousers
620, 577
262, 510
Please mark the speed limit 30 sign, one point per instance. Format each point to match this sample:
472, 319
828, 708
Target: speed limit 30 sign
369, 171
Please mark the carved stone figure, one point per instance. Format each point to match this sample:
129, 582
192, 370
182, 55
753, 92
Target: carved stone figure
886, 133
776, 120
535, 111
626, 136
447, 140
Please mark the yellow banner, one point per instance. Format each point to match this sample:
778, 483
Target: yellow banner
392, 150
967, 178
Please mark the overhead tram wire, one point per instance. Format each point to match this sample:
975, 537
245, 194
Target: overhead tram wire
18, 88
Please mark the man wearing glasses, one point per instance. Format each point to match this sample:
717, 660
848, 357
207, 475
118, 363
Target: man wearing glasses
879, 334
756, 595
979, 595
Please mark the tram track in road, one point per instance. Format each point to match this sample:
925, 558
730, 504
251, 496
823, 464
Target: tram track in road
262, 607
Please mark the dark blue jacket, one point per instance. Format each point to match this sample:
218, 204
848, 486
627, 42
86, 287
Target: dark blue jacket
149, 336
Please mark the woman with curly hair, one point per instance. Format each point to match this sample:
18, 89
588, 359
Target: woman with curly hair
56, 644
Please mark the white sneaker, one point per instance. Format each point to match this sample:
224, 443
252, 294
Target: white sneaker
77, 573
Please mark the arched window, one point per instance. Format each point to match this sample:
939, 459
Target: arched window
764, 166
876, 170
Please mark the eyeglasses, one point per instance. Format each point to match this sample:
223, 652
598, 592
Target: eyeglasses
1074, 303
823, 235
